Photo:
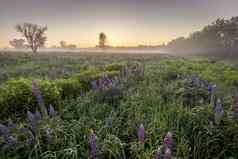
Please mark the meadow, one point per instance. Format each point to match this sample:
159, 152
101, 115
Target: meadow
117, 106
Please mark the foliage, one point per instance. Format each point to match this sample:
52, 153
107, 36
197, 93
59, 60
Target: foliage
17, 96
169, 106
220, 37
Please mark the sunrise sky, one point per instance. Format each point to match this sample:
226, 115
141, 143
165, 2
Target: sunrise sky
125, 22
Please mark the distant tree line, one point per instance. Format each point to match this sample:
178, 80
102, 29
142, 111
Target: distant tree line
64, 45
18, 43
221, 37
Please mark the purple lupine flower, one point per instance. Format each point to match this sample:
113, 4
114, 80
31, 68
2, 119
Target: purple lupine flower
218, 111
168, 140
212, 88
235, 108
36, 91
10, 140
167, 154
94, 85
32, 121
5, 132
212, 91
52, 112
141, 134
158, 154
25, 131
93, 144
38, 115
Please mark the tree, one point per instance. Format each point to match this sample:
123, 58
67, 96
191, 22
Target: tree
34, 34
63, 44
17, 43
102, 40
71, 46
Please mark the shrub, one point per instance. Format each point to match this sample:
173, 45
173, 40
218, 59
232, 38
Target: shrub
17, 96
116, 66
69, 87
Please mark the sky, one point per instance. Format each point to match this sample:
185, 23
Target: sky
125, 22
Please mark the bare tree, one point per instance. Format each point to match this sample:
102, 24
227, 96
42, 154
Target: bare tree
17, 43
102, 40
34, 34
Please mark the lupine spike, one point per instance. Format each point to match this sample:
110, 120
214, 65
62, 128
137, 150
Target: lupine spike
11, 140
218, 111
38, 115
36, 91
167, 154
141, 134
94, 86
52, 111
32, 121
158, 154
168, 140
212, 91
4, 130
93, 144
31, 140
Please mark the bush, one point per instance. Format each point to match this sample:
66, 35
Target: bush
69, 87
116, 66
17, 96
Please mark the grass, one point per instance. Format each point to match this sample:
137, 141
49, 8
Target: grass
172, 95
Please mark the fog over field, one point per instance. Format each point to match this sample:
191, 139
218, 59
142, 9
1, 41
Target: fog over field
118, 79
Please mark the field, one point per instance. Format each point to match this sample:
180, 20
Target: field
117, 106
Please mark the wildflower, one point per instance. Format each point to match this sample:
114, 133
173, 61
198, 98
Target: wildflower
94, 86
158, 153
218, 111
93, 144
235, 115
52, 111
141, 134
212, 91
38, 115
36, 91
167, 154
31, 140
11, 140
32, 121
5, 132
168, 140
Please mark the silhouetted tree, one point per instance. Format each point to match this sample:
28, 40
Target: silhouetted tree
17, 43
71, 46
102, 40
63, 44
34, 34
